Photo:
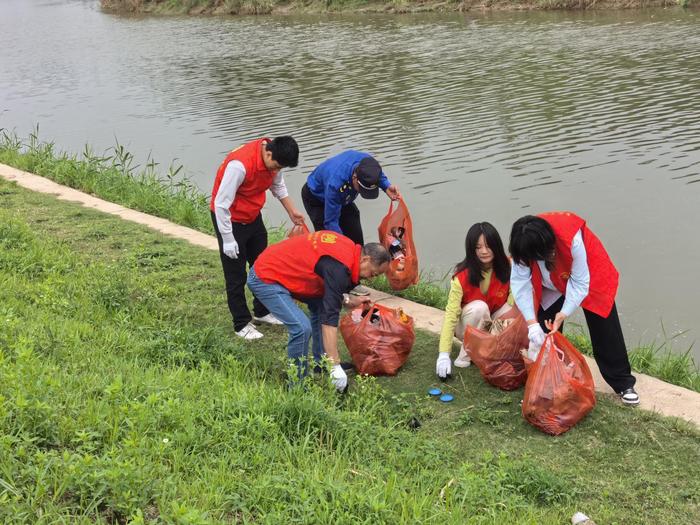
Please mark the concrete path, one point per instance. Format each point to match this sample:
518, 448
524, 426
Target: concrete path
656, 395
64, 193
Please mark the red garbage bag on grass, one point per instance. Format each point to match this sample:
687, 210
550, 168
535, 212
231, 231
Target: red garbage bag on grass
560, 389
497, 355
396, 234
379, 339
298, 229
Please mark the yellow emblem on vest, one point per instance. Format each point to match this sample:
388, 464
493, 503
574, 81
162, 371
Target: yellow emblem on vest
329, 238
564, 276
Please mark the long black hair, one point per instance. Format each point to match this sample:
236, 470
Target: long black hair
500, 264
532, 239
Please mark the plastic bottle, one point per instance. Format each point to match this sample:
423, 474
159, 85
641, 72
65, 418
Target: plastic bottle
395, 249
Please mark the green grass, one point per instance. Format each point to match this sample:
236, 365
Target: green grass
114, 177
654, 359
125, 398
240, 7
428, 291
230, 7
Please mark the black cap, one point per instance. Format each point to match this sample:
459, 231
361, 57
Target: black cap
368, 171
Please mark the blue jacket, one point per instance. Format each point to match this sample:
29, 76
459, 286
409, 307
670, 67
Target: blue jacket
331, 183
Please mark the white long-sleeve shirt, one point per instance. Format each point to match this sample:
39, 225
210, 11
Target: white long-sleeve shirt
234, 175
576, 287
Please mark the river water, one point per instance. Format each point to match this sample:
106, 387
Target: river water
474, 116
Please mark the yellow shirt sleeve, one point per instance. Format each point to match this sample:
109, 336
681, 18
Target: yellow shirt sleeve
452, 312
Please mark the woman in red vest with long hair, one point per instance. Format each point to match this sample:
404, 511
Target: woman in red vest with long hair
478, 291
559, 265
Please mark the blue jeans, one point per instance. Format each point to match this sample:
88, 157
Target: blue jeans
281, 304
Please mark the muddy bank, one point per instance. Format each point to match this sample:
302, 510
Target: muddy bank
248, 7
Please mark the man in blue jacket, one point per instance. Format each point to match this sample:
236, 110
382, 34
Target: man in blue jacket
331, 189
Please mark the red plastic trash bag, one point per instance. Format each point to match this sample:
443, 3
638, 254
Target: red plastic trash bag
559, 390
379, 339
496, 352
396, 234
298, 229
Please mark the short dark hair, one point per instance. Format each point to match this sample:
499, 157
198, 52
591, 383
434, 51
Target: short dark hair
501, 264
378, 255
285, 151
532, 239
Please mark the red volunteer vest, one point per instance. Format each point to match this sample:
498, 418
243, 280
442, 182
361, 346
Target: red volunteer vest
250, 196
604, 276
496, 295
291, 262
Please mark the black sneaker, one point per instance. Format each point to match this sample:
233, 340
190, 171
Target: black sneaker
629, 397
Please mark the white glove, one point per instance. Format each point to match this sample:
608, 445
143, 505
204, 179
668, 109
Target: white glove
230, 248
533, 351
339, 378
443, 367
536, 335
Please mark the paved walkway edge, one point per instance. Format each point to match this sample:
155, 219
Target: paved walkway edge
656, 395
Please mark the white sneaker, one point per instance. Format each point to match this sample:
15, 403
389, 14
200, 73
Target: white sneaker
269, 319
249, 332
629, 397
463, 360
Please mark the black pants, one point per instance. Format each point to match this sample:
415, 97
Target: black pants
252, 240
607, 341
349, 216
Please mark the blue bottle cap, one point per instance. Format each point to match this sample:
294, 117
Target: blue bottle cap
434, 391
446, 398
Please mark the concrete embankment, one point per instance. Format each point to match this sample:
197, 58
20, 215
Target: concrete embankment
656, 395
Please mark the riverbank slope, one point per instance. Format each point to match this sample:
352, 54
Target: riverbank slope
125, 398
658, 396
243, 7
115, 178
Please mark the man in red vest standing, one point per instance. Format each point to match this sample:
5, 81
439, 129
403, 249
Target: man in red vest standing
559, 265
236, 200
318, 269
